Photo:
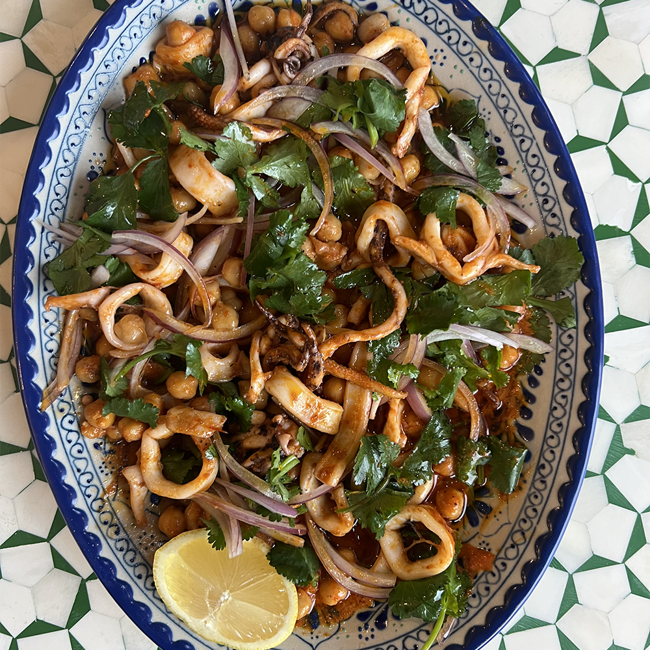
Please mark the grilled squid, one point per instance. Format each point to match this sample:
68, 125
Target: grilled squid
392, 545
297, 399
414, 93
323, 509
138, 493
91, 299
151, 297
181, 44
226, 368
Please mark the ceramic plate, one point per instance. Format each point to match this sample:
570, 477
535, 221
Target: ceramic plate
562, 393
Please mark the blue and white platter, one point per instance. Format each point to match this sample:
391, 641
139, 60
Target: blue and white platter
562, 393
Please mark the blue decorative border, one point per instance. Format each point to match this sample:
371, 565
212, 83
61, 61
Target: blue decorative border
77, 521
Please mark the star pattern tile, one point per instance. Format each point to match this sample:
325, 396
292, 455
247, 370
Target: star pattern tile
591, 59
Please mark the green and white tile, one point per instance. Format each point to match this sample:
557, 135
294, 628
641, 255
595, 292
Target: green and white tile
591, 59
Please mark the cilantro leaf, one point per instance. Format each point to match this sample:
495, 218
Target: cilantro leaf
315, 113
111, 203
238, 150
285, 161
488, 176
442, 397
506, 464
121, 273
462, 115
434, 311
561, 310
181, 462
491, 357
469, 456
492, 290
395, 371
375, 511
69, 271
226, 400
373, 461
190, 139
432, 448
110, 387
561, 261
304, 440
209, 70
300, 565
155, 197
216, 538
137, 409
355, 278
442, 201
278, 475
451, 355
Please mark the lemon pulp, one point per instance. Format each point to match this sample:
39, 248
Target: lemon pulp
241, 602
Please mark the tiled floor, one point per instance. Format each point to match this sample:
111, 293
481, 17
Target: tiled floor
591, 60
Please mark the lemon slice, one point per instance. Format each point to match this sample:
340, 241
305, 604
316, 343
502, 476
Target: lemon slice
243, 603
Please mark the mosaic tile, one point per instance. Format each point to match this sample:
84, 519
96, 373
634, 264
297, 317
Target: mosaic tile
565, 81
531, 33
587, 628
628, 20
573, 26
55, 610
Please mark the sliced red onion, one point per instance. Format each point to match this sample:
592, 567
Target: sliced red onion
285, 538
318, 542
247, 516
416, 400
289, 108
204, 252
171, 231
504, 170
65, 236
469, 351
348, 142
281, 92
274, 505
333, 61
250, 223
230, 69
514, 211
135, 387
420, 352
366, 576
466, 155
435, 146
100, 275
72, 228
236, 538
529, 343
129, 159
311, 495
510, 186
242, 473
235, 37
126, 236
230, 528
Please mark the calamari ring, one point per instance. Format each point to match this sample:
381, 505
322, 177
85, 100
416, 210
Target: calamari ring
173, 56
138, 493
222, 369
82, 300
397, 223
414, 92
323, 509
168, 270
152, 298
393, 549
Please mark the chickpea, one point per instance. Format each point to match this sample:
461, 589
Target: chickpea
232, 271
131, 429
201, 403
263, 400
226, 107
250, 42
144, 73
341, 316
352, 49
446, 467
131, 329
331, 230
340, 151
87, 399
509, 356
172, 522
331, 293
369, 74
155, 400
258, 418
394, 60
403, 74
175, 135
224, 317
340, 27
93, 413
265, 344
331, 592
324, 42
193, 515
390, 138
102, 347
248, 312
371, 27
180, 386
288, 18
334, 389
179, 32
183, 201
87, 369
450, 503
368, 171
194, 93
113, 434
348, 554
231, 298
430, 98
411, 166
359, 310
262, 20
91, 432
305, 602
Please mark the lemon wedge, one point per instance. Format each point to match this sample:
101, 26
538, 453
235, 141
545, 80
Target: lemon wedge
243, 603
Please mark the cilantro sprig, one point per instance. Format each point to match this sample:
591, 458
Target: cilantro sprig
227, 401
300, 565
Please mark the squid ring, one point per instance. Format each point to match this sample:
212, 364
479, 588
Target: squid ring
323, 509
151, 467
224, 368
393, 549
138, 493
173, 56
152, 298
397, 223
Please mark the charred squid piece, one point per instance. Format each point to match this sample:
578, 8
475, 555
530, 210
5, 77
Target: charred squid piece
218, 123
287, 355
328, 9
313, 376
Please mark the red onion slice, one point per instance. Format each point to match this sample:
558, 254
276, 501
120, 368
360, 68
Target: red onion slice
510, 186
311, 495
235, 37
435, 146
514, 211
230, 67
126, 236
348, 142
529, 343
466, 155
416, 400
285, 538
281, 92
273, 505
333, 61
250, 223
245, 515
230, 527
318, 542
469, 351
99, 275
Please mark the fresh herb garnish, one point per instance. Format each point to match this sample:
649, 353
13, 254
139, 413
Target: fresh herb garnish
208, 70
300, 565
227, 401
278, 475
560, 260
506, 464
442, 201
352, 194
469, 456
136, 409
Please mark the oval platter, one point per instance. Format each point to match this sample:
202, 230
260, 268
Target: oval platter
562, 393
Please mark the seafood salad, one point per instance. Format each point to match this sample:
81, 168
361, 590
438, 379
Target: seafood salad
298, 304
